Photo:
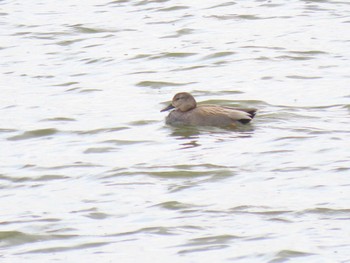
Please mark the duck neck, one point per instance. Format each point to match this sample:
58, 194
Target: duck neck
188, 107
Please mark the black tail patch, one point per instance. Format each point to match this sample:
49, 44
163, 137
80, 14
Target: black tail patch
252, 113
244, 121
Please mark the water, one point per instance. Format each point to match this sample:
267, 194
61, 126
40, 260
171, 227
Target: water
89, 171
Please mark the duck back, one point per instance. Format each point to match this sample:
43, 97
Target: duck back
211, 115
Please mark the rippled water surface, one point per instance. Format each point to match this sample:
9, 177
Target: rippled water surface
89, 172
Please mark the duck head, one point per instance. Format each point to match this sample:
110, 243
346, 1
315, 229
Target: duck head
182, 101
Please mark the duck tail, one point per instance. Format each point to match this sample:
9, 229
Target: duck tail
251, 113
244, 121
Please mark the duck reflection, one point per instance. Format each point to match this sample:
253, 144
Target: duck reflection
189, 136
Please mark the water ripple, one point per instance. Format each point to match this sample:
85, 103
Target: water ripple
34, 134
159, 84
15, 238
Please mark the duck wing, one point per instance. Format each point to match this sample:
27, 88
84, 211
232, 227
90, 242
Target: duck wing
235, 114
251, 111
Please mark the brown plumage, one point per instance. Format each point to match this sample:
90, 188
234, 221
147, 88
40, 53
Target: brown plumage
187, 112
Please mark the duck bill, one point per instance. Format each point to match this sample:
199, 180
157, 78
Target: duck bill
168, 108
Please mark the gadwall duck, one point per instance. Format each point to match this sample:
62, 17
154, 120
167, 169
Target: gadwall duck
187, 112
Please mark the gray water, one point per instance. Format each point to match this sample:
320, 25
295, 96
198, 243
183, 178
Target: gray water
89, 171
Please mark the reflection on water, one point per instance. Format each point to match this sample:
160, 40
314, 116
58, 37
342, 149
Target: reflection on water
189, 136
90, 172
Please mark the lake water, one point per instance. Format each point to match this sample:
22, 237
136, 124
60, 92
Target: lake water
89, 171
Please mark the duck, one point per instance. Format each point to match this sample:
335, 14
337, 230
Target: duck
186, 111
